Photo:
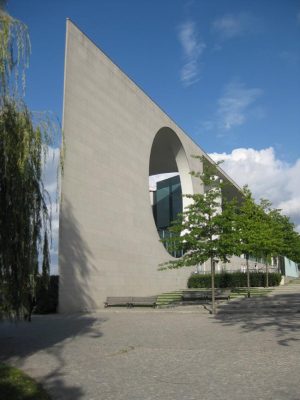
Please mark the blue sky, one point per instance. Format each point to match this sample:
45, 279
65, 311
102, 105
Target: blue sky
227, 72
247, 51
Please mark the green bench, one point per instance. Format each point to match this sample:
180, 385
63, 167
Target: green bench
205, 295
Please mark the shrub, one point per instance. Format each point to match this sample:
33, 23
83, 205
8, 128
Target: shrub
234, 279
47, 298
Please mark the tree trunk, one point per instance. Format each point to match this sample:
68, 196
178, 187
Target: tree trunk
267, 274
213, 302
248, 275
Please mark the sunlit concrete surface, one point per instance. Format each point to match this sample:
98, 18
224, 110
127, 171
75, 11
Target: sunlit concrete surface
115, 135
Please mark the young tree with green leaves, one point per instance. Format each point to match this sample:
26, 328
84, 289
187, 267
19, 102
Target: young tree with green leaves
290, 237
271, 234
247, 223
202, 231
292, 245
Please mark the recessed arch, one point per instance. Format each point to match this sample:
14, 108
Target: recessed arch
169, 157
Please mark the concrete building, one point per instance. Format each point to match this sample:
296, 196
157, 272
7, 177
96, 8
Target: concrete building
115, 137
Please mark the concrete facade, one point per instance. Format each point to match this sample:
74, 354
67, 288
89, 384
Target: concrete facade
115, 135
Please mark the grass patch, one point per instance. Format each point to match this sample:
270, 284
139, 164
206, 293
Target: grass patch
15, 385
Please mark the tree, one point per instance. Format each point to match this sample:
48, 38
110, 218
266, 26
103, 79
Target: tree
24, 217
203, 231
292, 245
247, 223
291, 238
271, 234
14, 53
259, 235
212, 228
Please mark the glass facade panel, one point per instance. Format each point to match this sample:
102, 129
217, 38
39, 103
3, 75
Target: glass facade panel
162, 207
167, 201
167, 205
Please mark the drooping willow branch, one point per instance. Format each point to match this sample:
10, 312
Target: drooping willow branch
14, 53
24, 218
25, 222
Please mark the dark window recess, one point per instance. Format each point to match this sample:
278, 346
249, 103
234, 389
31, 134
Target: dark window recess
167, 205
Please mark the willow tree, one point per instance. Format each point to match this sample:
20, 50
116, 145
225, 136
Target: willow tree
14, 53
24, 218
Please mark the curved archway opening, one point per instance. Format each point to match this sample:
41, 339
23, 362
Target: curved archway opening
169, 178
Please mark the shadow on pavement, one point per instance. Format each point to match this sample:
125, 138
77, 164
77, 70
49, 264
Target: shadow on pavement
50, 334
279, 313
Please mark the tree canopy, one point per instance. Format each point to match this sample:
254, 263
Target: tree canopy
25, 222
214, 228
202, 231
14, 53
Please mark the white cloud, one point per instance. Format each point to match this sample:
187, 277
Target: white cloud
235, 106
233, 25
235, 103
193, 48
267, 176
50, 183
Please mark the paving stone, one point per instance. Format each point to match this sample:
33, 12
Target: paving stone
169, 354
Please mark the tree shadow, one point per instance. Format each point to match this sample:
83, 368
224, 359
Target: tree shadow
49, 334
16, 385
76, 264
279, 314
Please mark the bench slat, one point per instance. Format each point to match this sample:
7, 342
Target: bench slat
146, 301
118, 301
130, 301
206, 295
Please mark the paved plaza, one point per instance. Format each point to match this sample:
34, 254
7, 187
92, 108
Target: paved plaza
172, 354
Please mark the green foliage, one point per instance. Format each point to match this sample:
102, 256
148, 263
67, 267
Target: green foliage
23, 209
14, 52
47, 296
202, 231
234, 279
290, 238
247, 223
24, 220
15, 385
272, 243
292, 243
263, 231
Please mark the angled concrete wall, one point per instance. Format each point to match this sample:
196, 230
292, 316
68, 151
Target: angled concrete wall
108, 242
